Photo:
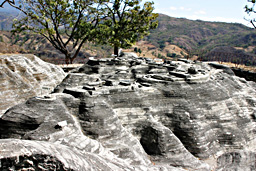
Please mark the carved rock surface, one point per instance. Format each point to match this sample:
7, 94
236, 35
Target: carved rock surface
237, 160
134, 114
33, 134
25, 76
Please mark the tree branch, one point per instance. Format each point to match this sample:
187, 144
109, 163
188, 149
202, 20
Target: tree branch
55, 23
74, 27
253, 24
8, 1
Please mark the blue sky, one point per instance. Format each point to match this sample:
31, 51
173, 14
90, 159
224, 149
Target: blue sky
207, 10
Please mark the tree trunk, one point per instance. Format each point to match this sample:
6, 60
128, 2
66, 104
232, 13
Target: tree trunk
116, 51
72, 59
68, 59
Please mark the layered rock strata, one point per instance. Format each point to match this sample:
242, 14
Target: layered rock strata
133, 114
25, 76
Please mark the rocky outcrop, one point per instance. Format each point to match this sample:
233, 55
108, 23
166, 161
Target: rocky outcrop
25, 76
130, 113
248, 75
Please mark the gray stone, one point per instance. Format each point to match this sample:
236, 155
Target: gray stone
237, 160
25, 76
87, 87
223, 67
125, 82
192, 70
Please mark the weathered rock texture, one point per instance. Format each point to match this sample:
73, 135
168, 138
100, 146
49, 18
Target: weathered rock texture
133, 114
25, 76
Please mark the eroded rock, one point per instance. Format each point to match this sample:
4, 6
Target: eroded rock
25, 76
133, 114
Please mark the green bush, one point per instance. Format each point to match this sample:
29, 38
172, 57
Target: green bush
172, 55
136, 49
139, 50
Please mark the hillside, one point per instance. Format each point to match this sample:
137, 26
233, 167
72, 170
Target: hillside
202, 38
6, 18
190, 34
174, 38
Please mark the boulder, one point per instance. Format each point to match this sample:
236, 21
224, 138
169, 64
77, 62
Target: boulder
25, 76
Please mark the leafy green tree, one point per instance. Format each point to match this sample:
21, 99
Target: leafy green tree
140, 51
66, 24
159, 55
161, 44
128, 21
136, 49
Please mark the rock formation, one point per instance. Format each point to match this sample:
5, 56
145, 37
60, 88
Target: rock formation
25, 76
248, 75
130, 113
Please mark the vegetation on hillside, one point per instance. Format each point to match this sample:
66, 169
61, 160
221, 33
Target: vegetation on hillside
230, 54
199, 34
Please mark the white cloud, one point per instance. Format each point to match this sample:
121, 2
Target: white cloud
182, 8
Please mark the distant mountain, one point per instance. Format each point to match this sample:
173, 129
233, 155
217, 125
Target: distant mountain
6, 18
174, 37
190, 34
8, 8
201, 37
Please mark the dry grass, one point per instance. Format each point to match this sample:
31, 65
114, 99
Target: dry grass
150, 51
